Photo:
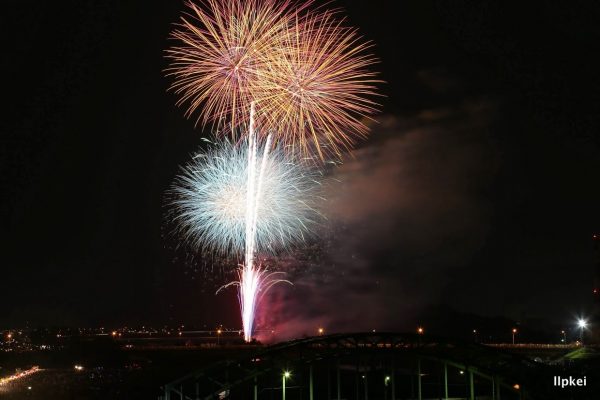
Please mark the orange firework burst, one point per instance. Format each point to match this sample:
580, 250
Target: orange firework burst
317, 86
307, 75
219, 55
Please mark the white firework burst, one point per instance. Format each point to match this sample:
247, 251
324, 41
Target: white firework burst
211, 203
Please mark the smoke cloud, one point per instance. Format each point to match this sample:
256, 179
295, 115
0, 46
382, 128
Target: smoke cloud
407, 211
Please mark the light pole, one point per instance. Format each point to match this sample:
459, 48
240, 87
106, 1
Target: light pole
582, 323
564, 336
514, 332
218, 337
285, 375
386, 381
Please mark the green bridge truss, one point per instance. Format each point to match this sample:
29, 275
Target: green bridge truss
369, 366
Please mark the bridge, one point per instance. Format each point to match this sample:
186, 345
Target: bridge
369, 366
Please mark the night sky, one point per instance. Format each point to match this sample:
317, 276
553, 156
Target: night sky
478, 189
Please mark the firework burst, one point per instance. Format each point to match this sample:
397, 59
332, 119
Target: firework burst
306, 73
283, 77
317, 86
211, 200
220, 55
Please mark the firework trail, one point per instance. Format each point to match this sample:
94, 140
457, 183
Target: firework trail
252, 282
250, 277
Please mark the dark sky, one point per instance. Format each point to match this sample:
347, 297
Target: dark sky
478, 189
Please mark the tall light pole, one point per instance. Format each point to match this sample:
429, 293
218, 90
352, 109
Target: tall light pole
514, 332
582, 323
285, 375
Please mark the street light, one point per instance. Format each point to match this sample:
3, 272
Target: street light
219, 336
420, 330
321, 330
564, 336
285, 376
582, 323
514, 332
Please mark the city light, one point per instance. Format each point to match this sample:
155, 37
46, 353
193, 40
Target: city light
7, 379
420, 330
321, 331
78, 367
286, 374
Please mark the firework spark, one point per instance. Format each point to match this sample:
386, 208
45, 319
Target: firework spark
220, 55
307, 78
306, 73
317, 86
210, 200
252, 284
239, 198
